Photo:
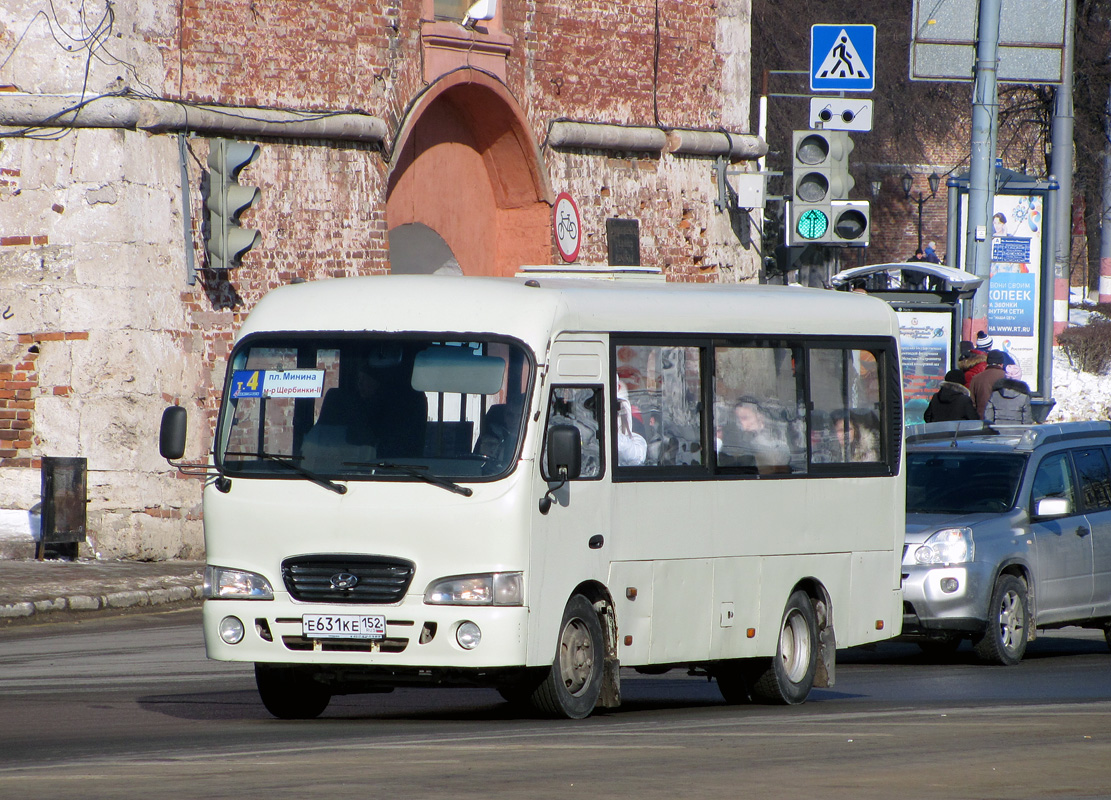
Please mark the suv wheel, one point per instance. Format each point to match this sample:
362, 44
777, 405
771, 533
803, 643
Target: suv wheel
1008, 630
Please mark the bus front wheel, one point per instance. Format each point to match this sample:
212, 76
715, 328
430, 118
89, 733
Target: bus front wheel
574, 682
790, 677
290, 693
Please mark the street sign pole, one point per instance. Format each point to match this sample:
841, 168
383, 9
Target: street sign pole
981, 188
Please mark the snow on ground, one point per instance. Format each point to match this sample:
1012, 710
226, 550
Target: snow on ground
1079, 395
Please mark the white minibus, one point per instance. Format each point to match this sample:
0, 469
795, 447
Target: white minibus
528, 483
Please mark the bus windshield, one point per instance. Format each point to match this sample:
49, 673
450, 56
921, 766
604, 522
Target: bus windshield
403, 408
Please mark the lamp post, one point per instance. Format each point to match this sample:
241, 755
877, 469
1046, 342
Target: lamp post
908, 182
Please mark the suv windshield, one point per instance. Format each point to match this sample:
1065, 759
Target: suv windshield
373, 408
962, 482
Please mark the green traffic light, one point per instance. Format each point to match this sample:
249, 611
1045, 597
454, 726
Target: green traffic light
812, 224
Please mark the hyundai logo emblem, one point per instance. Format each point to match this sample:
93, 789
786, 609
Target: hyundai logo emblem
344, 580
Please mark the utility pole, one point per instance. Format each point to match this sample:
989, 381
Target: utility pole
981, 188
1060, 166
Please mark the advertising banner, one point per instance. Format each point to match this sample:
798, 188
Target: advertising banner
1015, 284
925, 341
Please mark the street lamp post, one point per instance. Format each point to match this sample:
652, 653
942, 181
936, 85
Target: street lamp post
908, 182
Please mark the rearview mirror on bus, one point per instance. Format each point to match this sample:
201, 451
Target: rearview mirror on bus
171, 437
457, 370
564, 452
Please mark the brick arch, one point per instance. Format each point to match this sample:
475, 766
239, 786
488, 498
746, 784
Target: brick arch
466, 165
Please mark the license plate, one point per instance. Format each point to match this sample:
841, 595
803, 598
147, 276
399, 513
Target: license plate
343, 626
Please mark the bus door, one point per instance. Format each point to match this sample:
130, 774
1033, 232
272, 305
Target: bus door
571, 542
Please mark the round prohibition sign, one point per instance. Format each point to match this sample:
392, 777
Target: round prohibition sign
567, 226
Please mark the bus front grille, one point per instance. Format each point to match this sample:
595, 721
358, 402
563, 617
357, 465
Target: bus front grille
301, 644
347, 578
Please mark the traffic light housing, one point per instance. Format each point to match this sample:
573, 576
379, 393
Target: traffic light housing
227, 241
819, 176
852, 222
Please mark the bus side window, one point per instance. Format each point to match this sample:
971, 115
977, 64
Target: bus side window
580, 406
844, 386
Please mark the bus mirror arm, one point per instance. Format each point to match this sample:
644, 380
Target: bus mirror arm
171, 445
546, 500
564, 459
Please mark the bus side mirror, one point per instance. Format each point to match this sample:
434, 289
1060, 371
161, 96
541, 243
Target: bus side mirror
171, 437
564, 452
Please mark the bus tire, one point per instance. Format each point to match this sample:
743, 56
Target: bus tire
1004, 639
574, 682
790, 677
734, 678
290, 693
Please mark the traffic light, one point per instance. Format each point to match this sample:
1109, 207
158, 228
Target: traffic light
819, 176
227, 241
852, 224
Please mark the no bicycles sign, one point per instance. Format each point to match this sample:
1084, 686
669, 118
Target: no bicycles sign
567, 226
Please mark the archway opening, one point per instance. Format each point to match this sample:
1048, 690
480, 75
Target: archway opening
467, 169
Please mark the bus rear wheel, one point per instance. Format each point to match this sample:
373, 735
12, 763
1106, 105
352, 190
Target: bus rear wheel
790, 677
290, 693
574, 682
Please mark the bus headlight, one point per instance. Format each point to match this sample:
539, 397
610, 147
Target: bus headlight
948, 546
221, 583
491, 589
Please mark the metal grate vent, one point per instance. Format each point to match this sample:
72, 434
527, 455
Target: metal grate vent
347, 579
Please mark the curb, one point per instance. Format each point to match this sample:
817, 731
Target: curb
113, 601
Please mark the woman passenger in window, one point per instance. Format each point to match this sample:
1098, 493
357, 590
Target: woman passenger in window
858, 435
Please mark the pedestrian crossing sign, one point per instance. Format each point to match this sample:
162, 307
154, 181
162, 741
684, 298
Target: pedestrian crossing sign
842, 58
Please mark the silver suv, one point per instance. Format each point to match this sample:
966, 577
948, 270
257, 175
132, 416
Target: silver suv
1008, 530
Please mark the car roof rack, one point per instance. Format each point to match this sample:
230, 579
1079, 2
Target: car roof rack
1030, 436
955, 429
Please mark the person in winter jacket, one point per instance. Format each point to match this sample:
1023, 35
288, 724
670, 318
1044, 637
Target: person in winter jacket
1009, 403
982, 385
952, 401
972, 361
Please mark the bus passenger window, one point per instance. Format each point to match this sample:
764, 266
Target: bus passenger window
579, 406
845, 424
759, 409
663, 385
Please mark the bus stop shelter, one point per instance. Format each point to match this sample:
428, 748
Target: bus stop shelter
926, 298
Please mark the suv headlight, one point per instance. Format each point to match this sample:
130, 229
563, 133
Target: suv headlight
221, 583
491, 589
948, 546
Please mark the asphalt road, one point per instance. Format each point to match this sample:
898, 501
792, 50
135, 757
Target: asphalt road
129, 707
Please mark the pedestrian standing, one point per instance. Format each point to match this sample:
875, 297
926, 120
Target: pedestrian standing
951, 401
982, 385
1009, 403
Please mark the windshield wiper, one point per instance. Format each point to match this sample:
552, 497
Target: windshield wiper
289, 463
415, 472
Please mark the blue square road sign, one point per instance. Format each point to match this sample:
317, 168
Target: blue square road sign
843, 58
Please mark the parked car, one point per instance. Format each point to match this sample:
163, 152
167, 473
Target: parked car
1008, 532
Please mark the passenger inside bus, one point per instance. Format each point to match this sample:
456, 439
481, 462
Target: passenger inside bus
632, 448
750, 440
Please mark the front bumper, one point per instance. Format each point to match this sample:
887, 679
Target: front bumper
417, 635
927, 607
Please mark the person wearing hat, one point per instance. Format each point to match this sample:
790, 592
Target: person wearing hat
951, 401
983, 384
1010, 403
973, 360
